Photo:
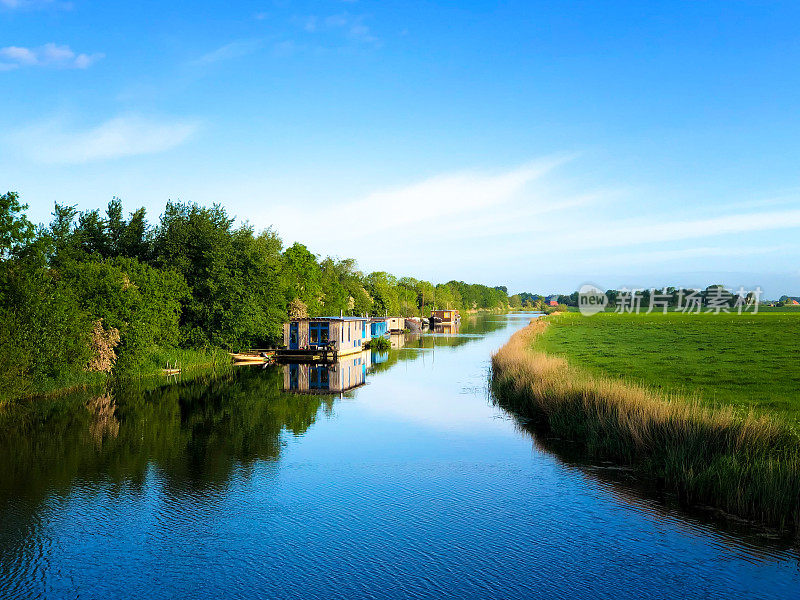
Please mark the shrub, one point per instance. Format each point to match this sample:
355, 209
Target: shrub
379, 343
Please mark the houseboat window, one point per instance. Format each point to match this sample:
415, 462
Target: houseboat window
318, 333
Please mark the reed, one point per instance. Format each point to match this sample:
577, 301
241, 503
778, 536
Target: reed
746, 465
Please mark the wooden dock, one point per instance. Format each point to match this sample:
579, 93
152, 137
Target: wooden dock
303, 355
316, 355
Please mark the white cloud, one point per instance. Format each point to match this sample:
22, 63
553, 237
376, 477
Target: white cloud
54, 143
595, 235
439, 197
49, 55
21, 56
235, 49
469, 222
351, 26
448, 206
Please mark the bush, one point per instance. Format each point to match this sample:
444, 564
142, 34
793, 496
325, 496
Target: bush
379, 343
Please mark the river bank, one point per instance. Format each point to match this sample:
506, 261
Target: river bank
158, 364
155, 363
746, 465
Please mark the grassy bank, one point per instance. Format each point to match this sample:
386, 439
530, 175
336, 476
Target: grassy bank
152, 366
65, 383
749, 362
187, 360
744, 464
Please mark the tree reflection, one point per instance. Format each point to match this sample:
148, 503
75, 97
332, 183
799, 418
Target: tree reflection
194, 432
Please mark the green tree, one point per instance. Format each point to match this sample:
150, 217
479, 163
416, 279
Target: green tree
382, 287
15, 229
302, 277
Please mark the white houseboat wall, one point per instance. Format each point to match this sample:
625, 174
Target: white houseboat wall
343, 335
396, 324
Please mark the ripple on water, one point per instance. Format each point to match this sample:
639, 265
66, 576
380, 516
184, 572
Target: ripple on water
203, 493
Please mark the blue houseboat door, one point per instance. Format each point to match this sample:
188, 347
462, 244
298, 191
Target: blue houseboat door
294, 337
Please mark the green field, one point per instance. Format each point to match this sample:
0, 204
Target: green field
747, 361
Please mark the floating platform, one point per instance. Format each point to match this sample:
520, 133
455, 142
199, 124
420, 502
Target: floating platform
310, 355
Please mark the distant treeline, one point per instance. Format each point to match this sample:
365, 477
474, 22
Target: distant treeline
538, 302
100, 292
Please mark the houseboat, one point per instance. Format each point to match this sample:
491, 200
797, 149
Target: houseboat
445, 317
396, 324
337, 336
378, 327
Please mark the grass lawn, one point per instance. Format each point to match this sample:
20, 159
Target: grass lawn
748, 361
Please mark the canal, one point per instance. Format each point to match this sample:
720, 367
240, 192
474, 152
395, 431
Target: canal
392, 476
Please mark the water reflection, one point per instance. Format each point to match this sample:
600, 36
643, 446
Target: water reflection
104, 423
397, 340
344, 374
449, 328
227, 485
749, 541
194, 431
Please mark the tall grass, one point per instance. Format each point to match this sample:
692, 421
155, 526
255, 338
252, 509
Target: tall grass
66, 382
150, 366
745, 465
184, 359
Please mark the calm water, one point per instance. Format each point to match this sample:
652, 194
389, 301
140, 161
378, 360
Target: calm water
412, 486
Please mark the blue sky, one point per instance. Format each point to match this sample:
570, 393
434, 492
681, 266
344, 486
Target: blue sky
535, 144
